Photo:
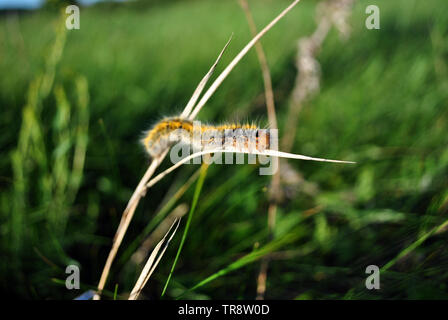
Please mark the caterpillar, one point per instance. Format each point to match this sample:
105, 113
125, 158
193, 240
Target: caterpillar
172, 130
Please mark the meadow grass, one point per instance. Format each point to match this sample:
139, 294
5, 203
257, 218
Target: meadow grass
382, 103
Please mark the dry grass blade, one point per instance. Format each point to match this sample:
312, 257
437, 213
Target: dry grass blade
261, 279
271, 153
274, 189
202, 84
125, 220
152, 262
287, 155
139, 256
215, 85
269, 93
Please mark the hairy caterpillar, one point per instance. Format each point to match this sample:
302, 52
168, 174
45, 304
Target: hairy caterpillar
168, 131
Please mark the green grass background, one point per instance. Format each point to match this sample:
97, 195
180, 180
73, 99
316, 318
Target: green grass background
75, 103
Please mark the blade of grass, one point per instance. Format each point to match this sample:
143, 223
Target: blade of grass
197, 192
202, 84
414, 245
125, 220
273, 153
267, 80
215, 85
140, 254
152, 263
157, 218
115, 291
274, 189
249, 258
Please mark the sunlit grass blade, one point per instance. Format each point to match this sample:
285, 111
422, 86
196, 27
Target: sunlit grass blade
202, 84
215, 85
140, 254
124, 222
159, 216
264, 153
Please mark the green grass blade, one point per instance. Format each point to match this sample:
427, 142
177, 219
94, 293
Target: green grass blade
414, 245
249, 258
197, 192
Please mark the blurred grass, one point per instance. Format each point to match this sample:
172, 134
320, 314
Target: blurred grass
66, 95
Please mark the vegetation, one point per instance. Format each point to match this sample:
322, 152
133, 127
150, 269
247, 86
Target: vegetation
75, 103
